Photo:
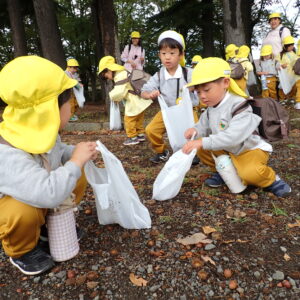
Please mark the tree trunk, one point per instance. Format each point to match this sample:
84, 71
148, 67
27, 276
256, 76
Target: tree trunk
237, 21
17, 27
208, 32
110, 46
52, 48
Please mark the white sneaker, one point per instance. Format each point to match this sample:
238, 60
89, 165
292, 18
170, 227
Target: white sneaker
297, 105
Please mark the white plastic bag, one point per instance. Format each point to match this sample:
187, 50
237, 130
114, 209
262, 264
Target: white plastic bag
78, 92
286, 80
115, 122
177, 119
169, 180
116, 198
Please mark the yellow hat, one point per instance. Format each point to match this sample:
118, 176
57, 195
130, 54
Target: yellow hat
108, 62
288, 40
230, 51
196, 59
243, 52
274, 15
30, 86
266, 50
72, 62
135, 35
212, 68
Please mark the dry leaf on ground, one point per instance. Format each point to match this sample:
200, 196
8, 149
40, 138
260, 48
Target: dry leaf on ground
208, 259
297, 224
194, 239
137, 280
286, 257
208, 229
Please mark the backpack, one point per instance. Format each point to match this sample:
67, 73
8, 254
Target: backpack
274, 125
237, 70
296, 67
137, 78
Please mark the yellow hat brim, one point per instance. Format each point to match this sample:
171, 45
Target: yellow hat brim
111, 67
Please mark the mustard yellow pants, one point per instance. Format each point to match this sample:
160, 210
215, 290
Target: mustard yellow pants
251, 165
134, 125
20, 223
298, 91
156, 129
291, 94
271, 91
73, 103
242, 83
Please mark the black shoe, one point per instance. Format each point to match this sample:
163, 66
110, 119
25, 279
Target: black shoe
33, 262
196, 160
44, 233
160, 157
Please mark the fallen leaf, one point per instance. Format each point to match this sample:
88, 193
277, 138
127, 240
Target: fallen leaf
286, 257
208, 259
297, 224
234, 213
139, 281
194, 239
208, 229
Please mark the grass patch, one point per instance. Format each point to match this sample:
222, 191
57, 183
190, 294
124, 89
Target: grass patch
277, 211
165, 219
211, 212
240, 220
212, 192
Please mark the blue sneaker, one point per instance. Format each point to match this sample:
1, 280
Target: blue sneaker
215, 180
279, 188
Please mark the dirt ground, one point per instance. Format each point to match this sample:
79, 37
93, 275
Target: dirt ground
254, 252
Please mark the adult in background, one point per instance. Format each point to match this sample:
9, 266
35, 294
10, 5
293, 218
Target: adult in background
133, 54
277, 33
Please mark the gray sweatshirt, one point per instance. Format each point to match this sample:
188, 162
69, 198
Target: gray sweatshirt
220, 131
168, 88
23, 176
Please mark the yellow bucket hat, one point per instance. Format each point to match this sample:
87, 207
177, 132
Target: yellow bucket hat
266, 50
243, 52
213, 68
108, 62
274, 15
30, 86
135, 35
72, 62
230, 51
288, 40
196, 59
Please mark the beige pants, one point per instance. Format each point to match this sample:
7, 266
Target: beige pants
20, 223
251, 165
134, 125
156, 129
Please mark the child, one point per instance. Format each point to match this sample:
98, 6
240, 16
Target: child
72, 72
168, 82
242, 58
267, 68
134, 105
231, 51
195, 60
133, 54
37, 94
220, 133
286, 60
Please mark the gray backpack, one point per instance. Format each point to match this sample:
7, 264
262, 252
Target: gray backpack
237, 70
136, 78
296, 67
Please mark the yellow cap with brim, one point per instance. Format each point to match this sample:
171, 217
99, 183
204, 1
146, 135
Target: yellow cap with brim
266, 50
213, 68
108, 62
243, 52
135, 35
72, 62
196, 59
274, 15
30, 85
230, 51
288, 40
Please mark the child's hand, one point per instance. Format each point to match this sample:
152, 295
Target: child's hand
83, 152
190, 145
154, 94
189, 133
142, 59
